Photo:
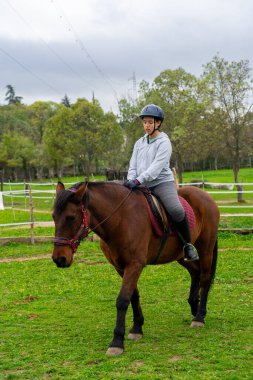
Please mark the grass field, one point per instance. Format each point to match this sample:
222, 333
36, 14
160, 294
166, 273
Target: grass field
57, 324
219, 176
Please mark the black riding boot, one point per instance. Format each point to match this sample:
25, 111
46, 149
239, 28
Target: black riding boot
183, 230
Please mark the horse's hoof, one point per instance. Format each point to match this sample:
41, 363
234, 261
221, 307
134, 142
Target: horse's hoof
133, 336
114, 351
197, 324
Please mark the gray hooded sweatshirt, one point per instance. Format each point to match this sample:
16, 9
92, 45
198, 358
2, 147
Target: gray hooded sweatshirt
150, 161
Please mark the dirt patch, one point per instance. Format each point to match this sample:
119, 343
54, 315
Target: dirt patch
175, 358
89, 262
48, 256
237, 248
35, 210
27, 299
32, 316
30, 258
36, 224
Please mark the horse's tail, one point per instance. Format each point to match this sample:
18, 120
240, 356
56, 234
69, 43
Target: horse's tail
214, 262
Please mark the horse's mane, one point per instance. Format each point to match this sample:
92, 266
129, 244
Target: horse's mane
110, 189
66, 195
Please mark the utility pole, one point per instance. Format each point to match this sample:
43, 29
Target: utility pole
134, 87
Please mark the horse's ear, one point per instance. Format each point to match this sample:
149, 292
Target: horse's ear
59, 187
80, 192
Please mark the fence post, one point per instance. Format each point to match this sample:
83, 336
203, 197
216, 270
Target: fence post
31, 214
203, 182
2, 179
12, 203
26, 189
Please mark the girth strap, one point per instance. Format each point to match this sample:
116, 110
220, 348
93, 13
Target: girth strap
160, 249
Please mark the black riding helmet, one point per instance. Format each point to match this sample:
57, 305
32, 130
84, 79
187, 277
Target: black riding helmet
153, 111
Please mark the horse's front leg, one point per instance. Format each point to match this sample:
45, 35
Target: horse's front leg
130, 278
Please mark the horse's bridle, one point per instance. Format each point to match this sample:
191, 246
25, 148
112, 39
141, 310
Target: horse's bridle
81, 234
84, 229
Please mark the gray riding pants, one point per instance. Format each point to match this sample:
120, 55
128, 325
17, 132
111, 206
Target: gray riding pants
167, 192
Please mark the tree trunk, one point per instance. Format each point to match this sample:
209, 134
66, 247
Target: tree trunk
180, 171
236, 168
215, 163
59, 172
51, 173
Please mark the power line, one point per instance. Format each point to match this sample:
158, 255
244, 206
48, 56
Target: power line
29, 71
47, 45
85, 50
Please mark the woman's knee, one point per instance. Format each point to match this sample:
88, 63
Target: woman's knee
177, 214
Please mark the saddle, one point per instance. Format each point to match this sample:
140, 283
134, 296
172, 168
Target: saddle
161, 221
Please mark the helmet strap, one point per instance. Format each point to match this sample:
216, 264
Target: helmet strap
155, 129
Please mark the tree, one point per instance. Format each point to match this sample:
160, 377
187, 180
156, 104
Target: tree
39, 113
66, 101
14, 118
10, 96
131, 126
230, 86
112, 139
59, 140
87, 119
17, 151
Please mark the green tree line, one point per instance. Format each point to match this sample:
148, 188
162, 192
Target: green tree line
208, 118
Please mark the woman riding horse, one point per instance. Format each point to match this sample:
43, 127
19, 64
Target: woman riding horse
149, 166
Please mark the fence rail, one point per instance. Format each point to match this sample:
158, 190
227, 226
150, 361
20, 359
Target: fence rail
29, 195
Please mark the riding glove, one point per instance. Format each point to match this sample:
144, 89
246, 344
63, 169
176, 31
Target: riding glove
132, 184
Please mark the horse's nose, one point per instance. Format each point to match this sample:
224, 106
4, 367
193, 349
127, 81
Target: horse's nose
60, 261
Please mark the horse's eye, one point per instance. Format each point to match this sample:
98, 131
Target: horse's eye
70, 218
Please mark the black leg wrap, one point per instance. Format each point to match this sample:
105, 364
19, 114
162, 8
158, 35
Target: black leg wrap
194, 306
138, 319
118, 340
137, 326
119, 331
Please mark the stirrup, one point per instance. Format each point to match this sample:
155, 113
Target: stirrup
194, 256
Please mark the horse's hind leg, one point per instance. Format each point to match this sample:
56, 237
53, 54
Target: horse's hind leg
208, 267
193, 269
136, 331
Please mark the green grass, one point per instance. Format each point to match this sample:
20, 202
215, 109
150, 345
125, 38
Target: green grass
57, 324
17, 216
231, 240
219, 176
19, 232
88, 250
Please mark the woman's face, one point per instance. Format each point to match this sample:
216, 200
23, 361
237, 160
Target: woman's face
149, 123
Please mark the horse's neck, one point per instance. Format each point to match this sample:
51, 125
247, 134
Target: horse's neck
103, 201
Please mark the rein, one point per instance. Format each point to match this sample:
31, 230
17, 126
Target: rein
84, 230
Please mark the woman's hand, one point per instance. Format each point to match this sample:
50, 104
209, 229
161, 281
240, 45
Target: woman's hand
132, 184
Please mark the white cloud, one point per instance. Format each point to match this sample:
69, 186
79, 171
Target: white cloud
100, 43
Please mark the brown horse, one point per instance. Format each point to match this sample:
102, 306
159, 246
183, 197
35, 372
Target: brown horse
120, 218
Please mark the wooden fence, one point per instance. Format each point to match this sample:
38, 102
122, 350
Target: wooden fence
25, 199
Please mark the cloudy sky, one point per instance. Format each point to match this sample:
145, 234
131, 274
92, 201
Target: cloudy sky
54, 47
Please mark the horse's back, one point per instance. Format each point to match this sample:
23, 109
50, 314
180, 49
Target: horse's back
205, 209
198, 198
